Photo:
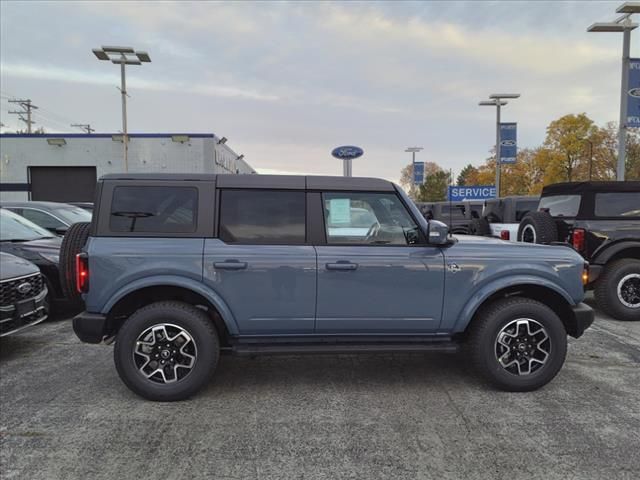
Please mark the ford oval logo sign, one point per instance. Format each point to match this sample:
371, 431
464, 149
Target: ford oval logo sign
508, 143
635, 92
347, 152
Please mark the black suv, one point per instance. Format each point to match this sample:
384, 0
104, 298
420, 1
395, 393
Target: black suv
601, 220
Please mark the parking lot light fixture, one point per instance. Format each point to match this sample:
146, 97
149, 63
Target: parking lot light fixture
122, 56
498, 101
622, 25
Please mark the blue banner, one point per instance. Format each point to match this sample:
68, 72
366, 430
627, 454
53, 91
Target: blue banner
471, 192
633, 94
418, 173
508, 142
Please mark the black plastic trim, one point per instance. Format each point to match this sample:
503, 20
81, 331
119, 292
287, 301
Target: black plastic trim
90, 327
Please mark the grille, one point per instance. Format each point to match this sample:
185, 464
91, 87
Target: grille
9, 289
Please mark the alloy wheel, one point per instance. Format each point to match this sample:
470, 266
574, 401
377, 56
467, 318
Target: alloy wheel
522, 347
629, 290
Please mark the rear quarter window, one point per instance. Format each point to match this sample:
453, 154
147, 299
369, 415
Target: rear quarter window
154, 209
623, 204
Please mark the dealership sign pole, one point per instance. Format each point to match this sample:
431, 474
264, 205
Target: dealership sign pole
347, 153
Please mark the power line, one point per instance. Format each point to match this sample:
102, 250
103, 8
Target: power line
27, 106
84, 126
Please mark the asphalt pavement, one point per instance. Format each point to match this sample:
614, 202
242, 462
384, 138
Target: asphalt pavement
64, 414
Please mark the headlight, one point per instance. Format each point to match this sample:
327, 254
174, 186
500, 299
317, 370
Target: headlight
52, 257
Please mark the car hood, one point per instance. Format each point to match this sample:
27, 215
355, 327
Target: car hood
501, 248
32, 249
13, 267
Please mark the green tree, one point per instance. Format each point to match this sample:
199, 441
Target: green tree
434, 188
466, 175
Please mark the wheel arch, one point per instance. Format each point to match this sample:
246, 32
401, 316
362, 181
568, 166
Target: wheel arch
617, 250
545, 292
141, 293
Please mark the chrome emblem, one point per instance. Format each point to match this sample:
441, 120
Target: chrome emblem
453, 267
24, 288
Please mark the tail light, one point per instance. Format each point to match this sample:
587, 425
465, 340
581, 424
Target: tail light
577, 239
504, 235
82, 273
585, 274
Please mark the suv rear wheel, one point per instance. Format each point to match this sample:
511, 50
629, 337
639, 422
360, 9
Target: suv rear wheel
167, 351
518, 344
617, 290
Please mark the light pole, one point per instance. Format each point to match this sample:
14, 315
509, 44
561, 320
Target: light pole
497, 100
413, 151
123, 56
624, 25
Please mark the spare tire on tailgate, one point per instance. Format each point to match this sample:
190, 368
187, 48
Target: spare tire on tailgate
480, 226
72, 244
538, 227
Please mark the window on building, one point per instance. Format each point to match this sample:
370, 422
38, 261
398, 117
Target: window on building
262, 216
154, 209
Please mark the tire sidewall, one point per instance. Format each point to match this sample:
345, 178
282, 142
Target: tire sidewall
496, 322
207, 346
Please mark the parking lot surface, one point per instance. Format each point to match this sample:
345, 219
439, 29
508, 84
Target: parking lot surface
65, 415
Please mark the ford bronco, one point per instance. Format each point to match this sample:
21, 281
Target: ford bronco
177, 269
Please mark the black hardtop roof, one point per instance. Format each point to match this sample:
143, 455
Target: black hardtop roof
285, 182
568, 188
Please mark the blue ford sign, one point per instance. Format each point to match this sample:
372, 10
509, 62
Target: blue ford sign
472, 192
418, 173
347, 152
508, 143
633, 95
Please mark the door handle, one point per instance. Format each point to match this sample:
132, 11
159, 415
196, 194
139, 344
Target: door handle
341, 266
230, 265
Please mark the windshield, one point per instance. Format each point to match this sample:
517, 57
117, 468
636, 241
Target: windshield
561, 205
72, 215
16, 228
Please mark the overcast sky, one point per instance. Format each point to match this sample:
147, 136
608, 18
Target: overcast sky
287, 82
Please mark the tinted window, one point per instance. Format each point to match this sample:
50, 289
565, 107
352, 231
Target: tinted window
262, 216
525, 206
618, 204
13, 227
154, 209
368, 218
561, 205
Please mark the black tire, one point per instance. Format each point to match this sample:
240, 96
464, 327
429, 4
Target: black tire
190, 319
624, 272
480, 226
538, 227
483, 347
72, 244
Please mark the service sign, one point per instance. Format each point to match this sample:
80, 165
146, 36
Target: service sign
633, 94
347, 152
418, 173
471, 192
508, 142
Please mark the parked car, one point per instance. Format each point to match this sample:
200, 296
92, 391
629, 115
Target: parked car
25, 239
55, 217
179, 268
23, 294
601, 220
458, 216
501, 216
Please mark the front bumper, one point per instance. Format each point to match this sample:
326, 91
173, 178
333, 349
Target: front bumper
90, 327
12, 319
583, 316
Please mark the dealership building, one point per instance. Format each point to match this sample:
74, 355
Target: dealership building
65, 167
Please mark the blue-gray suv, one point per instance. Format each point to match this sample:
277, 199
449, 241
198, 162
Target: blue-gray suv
178, 269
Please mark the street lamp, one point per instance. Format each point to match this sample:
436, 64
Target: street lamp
497, 100
123, 56
624, 25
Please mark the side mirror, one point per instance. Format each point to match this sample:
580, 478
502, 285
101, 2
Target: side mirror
437, 233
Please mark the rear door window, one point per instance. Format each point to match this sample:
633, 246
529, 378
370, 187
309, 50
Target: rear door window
154, 209
624, 204
263, 217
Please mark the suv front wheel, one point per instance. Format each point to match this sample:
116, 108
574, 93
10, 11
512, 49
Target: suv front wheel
518, 344
167, 351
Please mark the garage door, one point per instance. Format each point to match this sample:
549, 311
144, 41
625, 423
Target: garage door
62, 184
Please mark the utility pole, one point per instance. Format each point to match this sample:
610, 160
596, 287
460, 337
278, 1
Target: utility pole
84, 126
27, 106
